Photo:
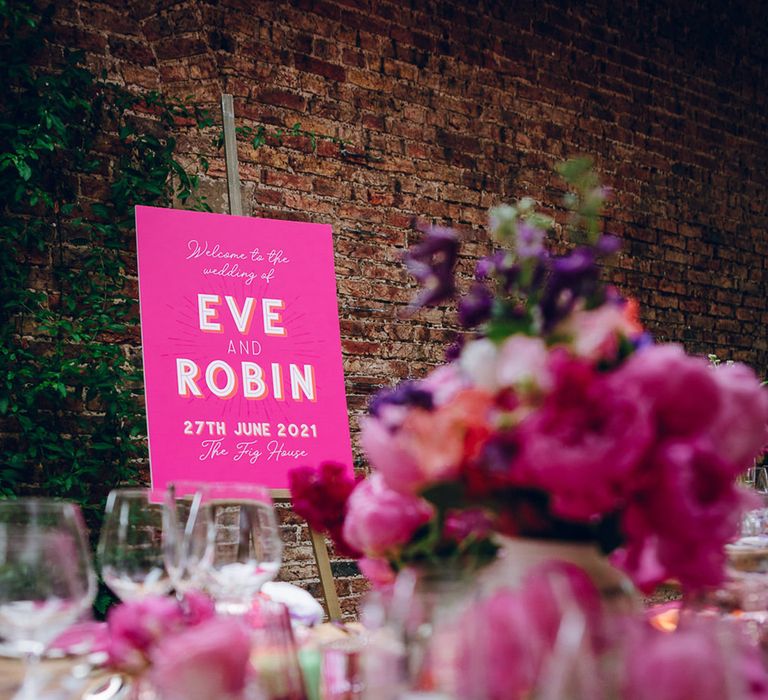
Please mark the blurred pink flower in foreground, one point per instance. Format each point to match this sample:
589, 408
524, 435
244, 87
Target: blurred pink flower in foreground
136, 626
509, 637
209, 660
705, 660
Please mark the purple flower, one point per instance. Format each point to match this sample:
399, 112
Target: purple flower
453, 351
476, 306
572, 277
501, 266
530, 241
608, 244
407, 393
431, 262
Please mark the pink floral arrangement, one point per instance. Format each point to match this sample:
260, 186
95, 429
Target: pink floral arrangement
186, 651
558, 418
550, 638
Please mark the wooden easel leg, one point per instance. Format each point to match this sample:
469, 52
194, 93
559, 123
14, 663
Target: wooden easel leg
326, 576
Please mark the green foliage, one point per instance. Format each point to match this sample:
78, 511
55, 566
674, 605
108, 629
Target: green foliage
76, 154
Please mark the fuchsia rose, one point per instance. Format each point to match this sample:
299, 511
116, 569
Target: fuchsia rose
585, 442
379, 519
210, 660
197, 607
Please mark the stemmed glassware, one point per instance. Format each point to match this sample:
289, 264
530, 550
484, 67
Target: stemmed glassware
46, 577
130, 549
187, 553
237, 527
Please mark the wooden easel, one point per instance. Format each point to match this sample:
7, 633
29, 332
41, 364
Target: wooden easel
282, 495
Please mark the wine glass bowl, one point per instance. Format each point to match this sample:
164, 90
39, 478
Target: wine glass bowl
130, 550
46, 577
245, 546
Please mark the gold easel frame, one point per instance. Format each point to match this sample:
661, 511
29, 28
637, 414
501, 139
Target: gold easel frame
319, 546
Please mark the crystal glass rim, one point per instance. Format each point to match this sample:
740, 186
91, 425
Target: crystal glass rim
41, 503
154, 496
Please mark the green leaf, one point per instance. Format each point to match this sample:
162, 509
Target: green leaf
445, 495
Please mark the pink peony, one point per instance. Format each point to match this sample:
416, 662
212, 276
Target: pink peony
584, 443
136, 625
740, 430
379, 519
703, 660
679, 523
428, 446
203, 662
680, 390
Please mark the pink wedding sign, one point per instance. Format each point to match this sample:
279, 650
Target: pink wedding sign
242, 353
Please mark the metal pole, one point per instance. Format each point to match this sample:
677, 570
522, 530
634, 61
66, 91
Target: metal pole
230, 155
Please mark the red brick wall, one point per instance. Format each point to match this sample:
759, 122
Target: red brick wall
449, 107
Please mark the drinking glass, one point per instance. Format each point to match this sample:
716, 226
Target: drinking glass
130, 547
46, 578
246, 551
186, 555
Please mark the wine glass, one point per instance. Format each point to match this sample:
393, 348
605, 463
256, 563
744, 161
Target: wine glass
186, 557
246, 549
130, 547
46, 577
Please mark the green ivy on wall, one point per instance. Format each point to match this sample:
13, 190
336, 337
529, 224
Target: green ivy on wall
76, 154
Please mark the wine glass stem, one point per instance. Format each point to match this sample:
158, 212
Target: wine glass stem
31, 684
